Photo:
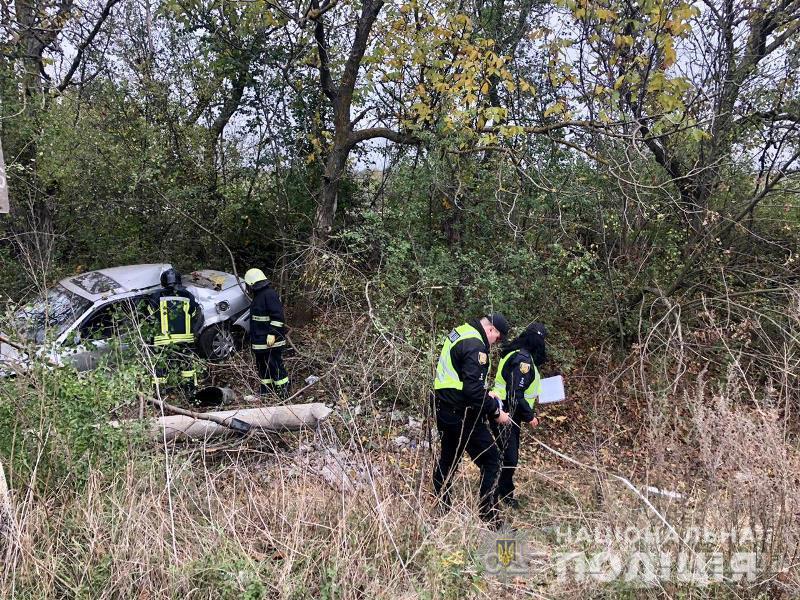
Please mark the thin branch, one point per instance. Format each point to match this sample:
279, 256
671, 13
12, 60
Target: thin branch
85, 44
362, 135
328, 87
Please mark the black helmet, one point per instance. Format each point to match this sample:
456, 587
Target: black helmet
170, 278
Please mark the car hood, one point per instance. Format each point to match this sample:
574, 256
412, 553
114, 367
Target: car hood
209, 286
211, 279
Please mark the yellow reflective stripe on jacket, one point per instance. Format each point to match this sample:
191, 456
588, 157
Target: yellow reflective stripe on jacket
446, 375
259, 318
276, 323
166, 337
499, 381
267, 346
178, 338
534, 389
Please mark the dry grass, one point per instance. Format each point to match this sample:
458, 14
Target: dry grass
343, 512
229, 521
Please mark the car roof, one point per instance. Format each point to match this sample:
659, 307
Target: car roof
115, 280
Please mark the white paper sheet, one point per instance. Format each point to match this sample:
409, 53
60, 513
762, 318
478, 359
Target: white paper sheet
552, 390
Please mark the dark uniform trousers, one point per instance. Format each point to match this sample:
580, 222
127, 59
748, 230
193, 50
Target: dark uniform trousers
508, 439
459, 433
271, 371
175, 368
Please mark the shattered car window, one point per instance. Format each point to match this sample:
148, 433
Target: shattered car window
95, 282
118, 319
52, 314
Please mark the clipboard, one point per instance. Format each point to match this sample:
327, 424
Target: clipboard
552, 390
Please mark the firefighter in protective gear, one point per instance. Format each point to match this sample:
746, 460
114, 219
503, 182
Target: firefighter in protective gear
518, 385
463, 409
267, 333
178, 319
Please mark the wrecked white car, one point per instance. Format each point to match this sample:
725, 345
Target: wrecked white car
84, 316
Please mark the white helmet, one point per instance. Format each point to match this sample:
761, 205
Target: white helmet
253, 276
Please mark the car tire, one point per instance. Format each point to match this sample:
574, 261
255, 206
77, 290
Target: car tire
218, 343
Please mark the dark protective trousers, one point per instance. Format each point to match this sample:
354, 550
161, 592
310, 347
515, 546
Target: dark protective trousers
458, 434
508, 441
174, 366
271, 372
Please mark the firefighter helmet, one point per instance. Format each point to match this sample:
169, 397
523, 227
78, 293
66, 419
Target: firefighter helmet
253, 276
170, 278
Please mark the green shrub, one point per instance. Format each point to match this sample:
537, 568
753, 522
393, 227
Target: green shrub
55, 423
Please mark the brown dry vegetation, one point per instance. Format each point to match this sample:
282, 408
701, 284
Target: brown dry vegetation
345, 511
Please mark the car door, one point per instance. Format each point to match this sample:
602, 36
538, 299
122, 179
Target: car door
114, 325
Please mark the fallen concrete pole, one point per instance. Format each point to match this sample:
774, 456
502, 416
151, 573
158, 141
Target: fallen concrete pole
6, 508
273, 418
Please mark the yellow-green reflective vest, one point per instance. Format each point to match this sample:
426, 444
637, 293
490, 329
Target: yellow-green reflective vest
446, 376
175, 321
531, 392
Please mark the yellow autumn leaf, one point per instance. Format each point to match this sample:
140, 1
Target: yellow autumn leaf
525, 86
656, 83
605, 15
669, 54
555, 109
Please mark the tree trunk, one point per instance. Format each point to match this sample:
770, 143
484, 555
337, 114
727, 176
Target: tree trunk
329, 198
341, 97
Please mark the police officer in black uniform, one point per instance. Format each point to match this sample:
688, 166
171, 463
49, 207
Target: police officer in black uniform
267, 334
463, 408
518, 385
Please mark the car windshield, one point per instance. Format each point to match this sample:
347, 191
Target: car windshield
95, 282
51, 314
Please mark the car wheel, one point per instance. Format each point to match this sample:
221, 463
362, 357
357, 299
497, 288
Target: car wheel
218, 343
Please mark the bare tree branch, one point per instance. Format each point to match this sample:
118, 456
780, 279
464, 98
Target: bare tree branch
76, 61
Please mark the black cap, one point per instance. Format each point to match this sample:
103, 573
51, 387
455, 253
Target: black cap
538, 329
499, 322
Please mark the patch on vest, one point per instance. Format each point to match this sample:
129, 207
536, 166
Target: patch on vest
454, 335
482, 358
524, 367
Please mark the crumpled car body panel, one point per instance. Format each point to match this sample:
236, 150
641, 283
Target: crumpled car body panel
220, 295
